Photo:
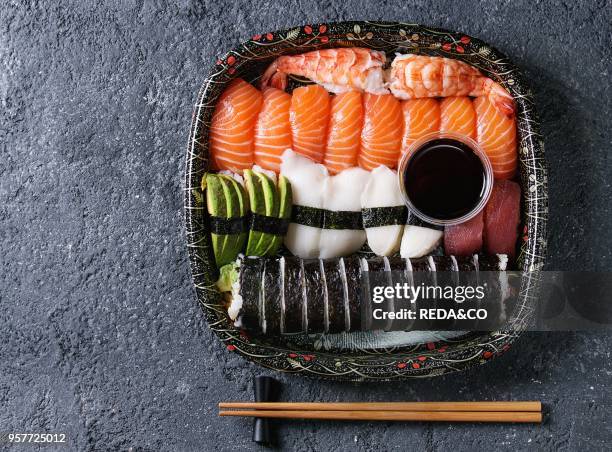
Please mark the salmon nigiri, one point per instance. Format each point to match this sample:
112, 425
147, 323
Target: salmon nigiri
457, 115
343, 134
381, 136
309, 116
421, 116
232, 126
496, 134
272, 130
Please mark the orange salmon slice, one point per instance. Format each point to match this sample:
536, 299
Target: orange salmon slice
232, 126
496, 134
381, 135
309, 117
343, 135
273, 129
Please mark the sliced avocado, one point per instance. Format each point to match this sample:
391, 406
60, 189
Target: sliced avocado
271, 201
285, 195
256, 200
217, 206
239, 208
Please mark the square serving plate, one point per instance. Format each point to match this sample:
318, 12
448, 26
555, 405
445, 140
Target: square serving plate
366, 356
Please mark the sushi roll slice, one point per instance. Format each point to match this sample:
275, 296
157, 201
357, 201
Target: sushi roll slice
247, 295
307, 182
342, 199
351, 276
419, 238
293, 295
314, 296
399, 275
379, 274
272, 298
383, 210
337, 306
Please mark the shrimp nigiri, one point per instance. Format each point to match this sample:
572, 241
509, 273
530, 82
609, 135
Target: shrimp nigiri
337, 70
232, 126
416, 76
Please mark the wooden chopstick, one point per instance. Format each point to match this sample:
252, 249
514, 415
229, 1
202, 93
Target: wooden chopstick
518, 406
391, 415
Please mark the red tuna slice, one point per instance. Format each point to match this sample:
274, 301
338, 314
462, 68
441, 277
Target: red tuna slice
502, 217
466, 238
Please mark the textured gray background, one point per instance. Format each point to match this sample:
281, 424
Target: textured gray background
100, 333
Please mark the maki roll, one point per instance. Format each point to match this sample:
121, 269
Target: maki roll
293, 295
337, 303
289, 295
247, 299
315, 296
351, 274
272, 310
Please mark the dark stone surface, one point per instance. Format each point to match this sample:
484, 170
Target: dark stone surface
101, 336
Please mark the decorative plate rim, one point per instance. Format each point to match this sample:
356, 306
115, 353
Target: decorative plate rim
414, 361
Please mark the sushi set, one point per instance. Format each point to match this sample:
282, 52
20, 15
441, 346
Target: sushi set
320, 153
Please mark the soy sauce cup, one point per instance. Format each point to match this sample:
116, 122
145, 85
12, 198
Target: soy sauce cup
445, 178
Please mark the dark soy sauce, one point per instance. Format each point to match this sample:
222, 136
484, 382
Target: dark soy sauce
445, 179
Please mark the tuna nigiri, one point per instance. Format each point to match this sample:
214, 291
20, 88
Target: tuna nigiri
232, 126
381, 136
343, 135
457, 115
273, 130
464, 239
502, 217
496, 134
421, 116
309, 116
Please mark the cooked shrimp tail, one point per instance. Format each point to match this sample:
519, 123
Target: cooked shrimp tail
337, 70
498, 97
273, 77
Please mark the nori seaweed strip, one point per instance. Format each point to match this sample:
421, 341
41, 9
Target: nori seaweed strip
228, 226
335, 295
294, 298
315, 296
269, 225
326, 219
272, 296
251, 270
343, 219
307, 216
384, 216
352, 270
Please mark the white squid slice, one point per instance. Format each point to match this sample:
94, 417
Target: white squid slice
307, 182
342, 192
383, 190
